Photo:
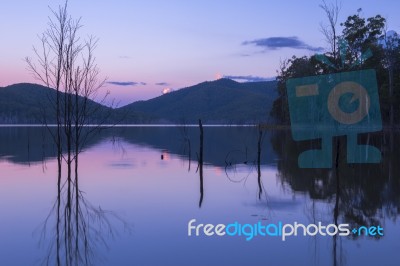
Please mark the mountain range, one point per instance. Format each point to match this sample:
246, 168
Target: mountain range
222, 101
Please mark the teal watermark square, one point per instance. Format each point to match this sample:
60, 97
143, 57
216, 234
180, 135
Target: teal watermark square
325, 106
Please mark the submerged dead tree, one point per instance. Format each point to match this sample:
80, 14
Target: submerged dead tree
259, 143
200, 163
66, 63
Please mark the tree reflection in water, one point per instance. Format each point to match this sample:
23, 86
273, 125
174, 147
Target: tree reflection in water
200, 164
359, 194
75, 230
237, 158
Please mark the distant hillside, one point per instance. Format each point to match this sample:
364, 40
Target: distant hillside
220, 101
24, 103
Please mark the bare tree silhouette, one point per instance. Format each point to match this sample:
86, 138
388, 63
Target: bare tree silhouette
200, 164
66, 63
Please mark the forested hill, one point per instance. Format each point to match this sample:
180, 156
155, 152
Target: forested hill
221, 101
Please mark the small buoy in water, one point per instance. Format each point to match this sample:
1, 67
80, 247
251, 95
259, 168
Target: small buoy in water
162, 156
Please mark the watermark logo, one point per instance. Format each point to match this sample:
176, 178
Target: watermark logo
279, 229
324, 106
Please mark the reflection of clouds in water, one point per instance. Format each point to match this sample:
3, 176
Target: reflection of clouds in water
278, 204
122, 164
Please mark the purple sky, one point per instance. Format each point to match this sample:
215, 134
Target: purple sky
148, 46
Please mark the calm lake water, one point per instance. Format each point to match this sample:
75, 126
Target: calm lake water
137, 188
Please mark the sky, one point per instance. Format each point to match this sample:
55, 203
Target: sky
149, 47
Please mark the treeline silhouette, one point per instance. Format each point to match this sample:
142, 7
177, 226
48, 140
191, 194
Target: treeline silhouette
360, 35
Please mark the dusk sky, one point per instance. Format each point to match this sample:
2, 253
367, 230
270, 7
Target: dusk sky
148, 46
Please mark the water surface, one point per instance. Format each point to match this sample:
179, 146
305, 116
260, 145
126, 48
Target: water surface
138, 188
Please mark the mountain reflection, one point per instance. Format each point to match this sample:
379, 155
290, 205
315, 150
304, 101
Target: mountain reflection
182, 141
